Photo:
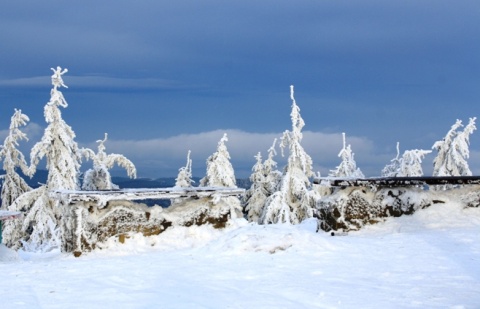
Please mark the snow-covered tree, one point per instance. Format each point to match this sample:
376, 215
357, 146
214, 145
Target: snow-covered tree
461, 145
184, 177
453, 151
272, 174
220, 171
348, 166
40, 229
265, 179
13, 184
411, 163
256, 195
294, 200
41, 220
391, 170
98, 177
57, 144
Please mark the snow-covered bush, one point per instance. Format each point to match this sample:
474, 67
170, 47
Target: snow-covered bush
294, 200
348, 166
98, 177
453, 151
13, 184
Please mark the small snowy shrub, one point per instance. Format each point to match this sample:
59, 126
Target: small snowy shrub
98, 177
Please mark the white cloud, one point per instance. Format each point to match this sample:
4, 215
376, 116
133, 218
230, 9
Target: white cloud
94, 81
36, 81
162, 157
33, 130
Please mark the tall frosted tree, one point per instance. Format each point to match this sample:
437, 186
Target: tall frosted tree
294, 200
57, 144
98, 177
453, 151
13, 184
348, 166
220, 171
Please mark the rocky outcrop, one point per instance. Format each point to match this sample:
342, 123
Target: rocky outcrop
351, 208
86, 226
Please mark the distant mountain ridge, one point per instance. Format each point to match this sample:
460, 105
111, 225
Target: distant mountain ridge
164, 182
41, 176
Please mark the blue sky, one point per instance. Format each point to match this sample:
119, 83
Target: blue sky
165, 77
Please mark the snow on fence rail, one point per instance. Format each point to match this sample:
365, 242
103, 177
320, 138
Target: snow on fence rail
104, 196
399, 181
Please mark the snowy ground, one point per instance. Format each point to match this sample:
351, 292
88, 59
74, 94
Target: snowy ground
428, 260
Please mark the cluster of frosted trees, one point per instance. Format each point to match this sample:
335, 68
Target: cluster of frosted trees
274, 197
289, 196
39, 229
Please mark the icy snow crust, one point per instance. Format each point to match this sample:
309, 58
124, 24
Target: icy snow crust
426, 260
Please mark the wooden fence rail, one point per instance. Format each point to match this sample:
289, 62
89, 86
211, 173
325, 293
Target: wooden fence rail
102, 197
399, 181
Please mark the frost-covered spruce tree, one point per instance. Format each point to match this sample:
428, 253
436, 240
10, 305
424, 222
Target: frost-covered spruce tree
348, 166
453, 151
391, 170
272, 175
57, 144
184, 177
13, 184
42, 218
460, 147
411, 163
98, 177
294, 200
220, 173
17, 233
265, 179
256, 195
